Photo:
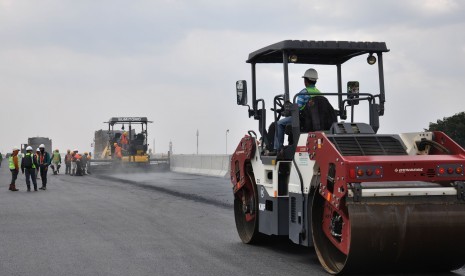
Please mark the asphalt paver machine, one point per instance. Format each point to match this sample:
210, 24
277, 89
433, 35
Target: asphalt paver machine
365, 201
134, 149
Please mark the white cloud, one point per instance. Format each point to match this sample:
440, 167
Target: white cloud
437, 6
176, 62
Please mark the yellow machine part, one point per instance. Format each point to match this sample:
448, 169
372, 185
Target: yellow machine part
106, 153
136, 158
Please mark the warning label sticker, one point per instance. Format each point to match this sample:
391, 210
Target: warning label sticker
303, 159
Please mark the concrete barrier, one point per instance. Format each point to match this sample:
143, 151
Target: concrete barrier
204, 164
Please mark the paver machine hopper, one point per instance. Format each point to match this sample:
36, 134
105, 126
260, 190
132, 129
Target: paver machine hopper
365, 201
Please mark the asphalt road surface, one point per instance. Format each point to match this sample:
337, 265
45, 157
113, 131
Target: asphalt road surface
135, 224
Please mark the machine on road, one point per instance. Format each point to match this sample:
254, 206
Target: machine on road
365, 201
124, 147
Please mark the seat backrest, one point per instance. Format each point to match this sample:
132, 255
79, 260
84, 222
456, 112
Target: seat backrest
318, 114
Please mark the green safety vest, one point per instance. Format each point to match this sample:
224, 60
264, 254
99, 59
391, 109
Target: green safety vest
312, 89
303, 98
56, 157
32, 159
12, 164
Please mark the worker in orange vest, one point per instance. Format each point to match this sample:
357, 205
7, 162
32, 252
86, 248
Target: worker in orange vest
124, 141
78, 158
74, 160
118, 153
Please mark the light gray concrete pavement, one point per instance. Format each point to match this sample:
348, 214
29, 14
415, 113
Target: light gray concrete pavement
135, 224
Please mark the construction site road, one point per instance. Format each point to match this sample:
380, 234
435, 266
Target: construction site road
160, 223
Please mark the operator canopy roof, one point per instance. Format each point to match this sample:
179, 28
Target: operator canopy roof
123, 120
316, 52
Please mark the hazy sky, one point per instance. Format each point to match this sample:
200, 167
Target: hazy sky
67, 66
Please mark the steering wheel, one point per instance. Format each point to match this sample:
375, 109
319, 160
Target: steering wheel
278, 107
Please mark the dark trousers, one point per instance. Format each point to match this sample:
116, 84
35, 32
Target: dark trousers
68, 168
78, 168
43, 174
14, 176
32, 174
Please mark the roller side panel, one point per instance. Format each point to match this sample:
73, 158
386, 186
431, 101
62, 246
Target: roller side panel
297, 218
273, 213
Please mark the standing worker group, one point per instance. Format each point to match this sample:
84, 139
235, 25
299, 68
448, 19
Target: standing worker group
44, 162
29, 164
36, 164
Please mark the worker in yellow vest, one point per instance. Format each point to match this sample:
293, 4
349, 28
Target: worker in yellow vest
56, 162
14, 164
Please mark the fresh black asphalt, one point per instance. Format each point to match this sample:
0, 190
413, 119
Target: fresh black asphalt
159, 223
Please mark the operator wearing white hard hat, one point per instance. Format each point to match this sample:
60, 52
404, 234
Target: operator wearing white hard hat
44, 162
310, 78
29, 165
311, 74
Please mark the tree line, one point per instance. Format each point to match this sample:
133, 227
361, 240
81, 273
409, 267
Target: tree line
453, 126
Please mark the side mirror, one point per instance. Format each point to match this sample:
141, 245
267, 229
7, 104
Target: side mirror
353, 88
241, 92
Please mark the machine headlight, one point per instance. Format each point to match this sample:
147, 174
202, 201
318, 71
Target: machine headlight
371, 59
293, 58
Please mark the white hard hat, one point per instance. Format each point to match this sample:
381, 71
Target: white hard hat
41, 146
37, 149
29, 148
75, 150
311, 74
15, 148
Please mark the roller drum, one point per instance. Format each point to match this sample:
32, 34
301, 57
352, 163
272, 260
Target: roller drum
395, 234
